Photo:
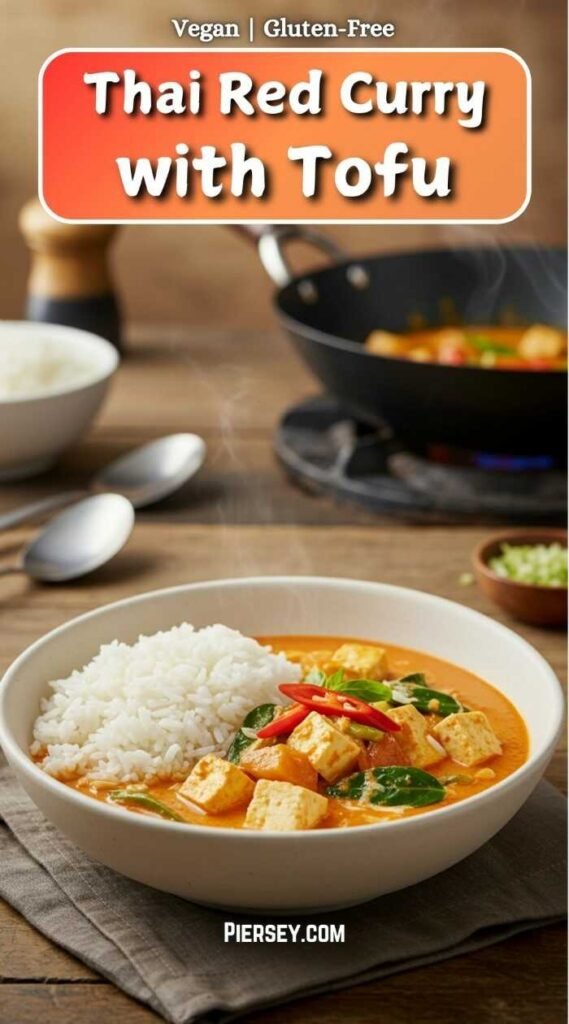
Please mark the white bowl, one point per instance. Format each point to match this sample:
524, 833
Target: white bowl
36, 430
286, 872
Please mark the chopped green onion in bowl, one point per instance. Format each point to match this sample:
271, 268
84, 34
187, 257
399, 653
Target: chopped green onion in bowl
542, 565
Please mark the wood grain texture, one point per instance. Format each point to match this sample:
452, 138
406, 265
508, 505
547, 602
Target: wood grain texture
242, 517
483, 987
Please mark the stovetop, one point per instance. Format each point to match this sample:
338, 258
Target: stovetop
324, 448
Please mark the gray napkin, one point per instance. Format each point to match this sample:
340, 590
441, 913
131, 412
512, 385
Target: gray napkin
171, 955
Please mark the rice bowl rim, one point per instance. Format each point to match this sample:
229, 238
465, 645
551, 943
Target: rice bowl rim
107, 359
536, 758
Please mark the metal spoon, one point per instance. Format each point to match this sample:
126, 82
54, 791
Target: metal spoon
78, 540
144, 476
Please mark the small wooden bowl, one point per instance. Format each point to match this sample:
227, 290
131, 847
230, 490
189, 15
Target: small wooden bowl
536, 605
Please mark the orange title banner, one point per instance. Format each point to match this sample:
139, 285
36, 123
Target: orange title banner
285, 135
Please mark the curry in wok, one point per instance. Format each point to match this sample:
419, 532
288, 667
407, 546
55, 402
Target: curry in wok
539, 347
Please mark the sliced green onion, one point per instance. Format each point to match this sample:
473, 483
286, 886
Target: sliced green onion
544, 565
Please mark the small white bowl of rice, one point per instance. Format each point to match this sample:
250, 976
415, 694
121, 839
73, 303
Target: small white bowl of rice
53, 380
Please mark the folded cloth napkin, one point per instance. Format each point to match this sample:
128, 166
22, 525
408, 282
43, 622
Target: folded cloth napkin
171, 954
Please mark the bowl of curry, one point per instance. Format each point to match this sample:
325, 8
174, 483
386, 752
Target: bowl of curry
396, 722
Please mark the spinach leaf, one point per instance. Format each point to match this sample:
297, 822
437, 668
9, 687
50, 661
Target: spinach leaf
419, 678
390, 787
255, 719
409, 690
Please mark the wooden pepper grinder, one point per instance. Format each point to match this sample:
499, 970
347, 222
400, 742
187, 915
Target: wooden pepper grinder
69, 280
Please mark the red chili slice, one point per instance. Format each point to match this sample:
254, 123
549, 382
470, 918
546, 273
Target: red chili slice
285, 723
452, 357
330, 702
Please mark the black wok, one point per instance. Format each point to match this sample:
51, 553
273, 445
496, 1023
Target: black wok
329, 313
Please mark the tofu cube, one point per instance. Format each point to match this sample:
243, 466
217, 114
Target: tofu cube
468, 738
384, 343
216, 785
309, 660
330, 752
415, 738
365, 661
542, 342
279, 763
284, 808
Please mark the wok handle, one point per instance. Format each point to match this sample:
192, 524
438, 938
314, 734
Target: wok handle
271, 239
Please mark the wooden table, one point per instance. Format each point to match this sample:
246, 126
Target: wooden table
241, 517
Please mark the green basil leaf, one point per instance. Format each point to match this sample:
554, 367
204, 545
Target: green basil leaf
334, 682
484, 344
390, 787
366, 689
403, 691
255, 719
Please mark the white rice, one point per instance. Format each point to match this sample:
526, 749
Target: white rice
30, 367
151, 709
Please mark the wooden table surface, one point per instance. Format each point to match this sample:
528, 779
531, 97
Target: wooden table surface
242, 516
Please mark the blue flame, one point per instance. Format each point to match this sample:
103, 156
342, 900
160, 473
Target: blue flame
513, 463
